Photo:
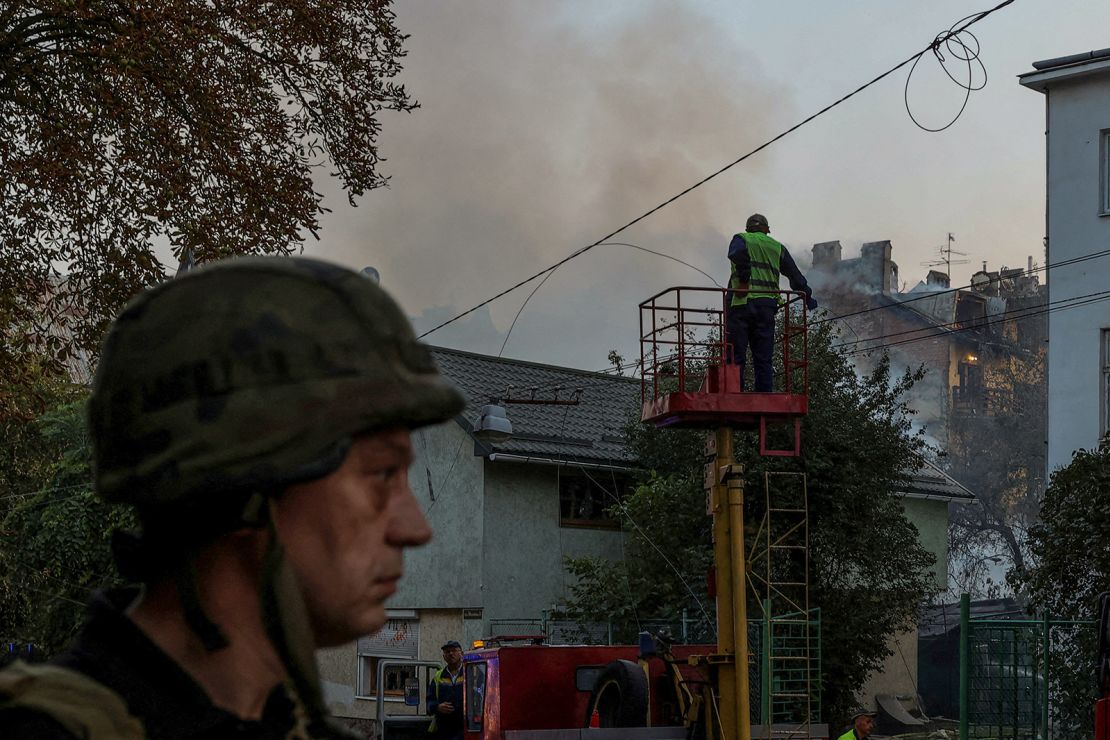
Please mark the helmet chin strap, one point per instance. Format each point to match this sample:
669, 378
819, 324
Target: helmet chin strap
285, 617
208, 631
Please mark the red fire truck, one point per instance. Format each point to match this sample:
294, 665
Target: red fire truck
518, 687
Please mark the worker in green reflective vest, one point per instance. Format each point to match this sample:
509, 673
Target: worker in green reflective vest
863, 723
757, 261
445, 695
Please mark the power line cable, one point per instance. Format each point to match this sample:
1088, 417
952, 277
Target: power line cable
1017, 314
650, 541
953, 32
987, 320
947, 291
610, 370
1034, 311
962, 51
956, 327
635, 246
866, 350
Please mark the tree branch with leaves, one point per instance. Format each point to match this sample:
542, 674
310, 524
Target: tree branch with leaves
130, 125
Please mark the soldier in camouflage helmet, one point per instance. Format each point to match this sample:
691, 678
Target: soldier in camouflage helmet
256, 413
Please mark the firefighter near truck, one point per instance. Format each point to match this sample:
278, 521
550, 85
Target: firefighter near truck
518, 688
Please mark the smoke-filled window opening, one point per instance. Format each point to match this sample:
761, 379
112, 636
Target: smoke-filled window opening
971, 311
968, 396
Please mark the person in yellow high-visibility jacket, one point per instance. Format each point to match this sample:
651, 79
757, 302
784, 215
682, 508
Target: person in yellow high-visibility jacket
445, 695
863, 723
757, 262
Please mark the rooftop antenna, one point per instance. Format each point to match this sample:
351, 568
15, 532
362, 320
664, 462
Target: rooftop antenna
946, 253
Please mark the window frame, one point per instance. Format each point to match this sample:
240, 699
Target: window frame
472, 687
371, 662
1104, 383
366, 665
624, 484
1104, 172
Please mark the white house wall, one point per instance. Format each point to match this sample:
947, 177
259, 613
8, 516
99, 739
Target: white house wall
447, 572
525, 546
1077, 111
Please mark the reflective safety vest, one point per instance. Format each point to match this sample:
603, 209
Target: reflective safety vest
766, 255
441, 679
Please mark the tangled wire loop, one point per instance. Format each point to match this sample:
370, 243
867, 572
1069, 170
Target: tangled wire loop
963, 48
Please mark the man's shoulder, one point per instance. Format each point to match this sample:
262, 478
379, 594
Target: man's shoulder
53, 702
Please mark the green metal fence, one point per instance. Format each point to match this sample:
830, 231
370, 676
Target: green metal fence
1009, 671
785, 680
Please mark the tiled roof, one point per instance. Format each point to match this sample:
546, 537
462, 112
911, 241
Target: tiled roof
592, 431
929, 481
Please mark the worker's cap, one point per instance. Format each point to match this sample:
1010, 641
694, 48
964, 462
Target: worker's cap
451, 644
756, 221
861, 712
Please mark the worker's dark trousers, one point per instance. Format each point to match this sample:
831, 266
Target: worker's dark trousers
754, 324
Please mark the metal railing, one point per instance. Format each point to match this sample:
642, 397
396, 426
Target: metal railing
683, 333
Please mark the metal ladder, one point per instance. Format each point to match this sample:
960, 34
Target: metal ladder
778, 565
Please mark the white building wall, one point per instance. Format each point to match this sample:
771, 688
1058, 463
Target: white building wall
448, 481
1078, 115
526, 548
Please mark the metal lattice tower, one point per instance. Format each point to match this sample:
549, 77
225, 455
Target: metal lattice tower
778, 568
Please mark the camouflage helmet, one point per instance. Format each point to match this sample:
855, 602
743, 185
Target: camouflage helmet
251, 374
757, 222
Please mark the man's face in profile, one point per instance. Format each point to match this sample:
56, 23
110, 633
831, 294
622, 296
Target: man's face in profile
345, 535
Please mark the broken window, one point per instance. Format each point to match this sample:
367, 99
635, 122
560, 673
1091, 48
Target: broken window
968, 395
971, 312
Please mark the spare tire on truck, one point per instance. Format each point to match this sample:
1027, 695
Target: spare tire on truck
619, 696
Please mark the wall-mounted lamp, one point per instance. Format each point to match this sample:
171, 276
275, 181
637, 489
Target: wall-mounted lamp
493, 424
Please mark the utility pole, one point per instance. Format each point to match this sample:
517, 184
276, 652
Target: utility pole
725, 483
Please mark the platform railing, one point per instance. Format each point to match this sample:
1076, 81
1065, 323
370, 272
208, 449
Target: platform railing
684, 333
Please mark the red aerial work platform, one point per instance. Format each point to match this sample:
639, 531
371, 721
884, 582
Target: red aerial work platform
689, 378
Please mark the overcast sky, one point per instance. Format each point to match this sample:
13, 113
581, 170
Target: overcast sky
545, 125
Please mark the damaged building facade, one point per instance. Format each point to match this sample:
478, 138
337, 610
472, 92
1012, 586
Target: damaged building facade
965, 338
982, 401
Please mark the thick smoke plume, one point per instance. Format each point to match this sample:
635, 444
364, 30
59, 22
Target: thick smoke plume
540, 132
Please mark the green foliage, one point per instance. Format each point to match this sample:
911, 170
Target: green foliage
203, 125
869, 573
1071, 567
55, 533
665, 562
